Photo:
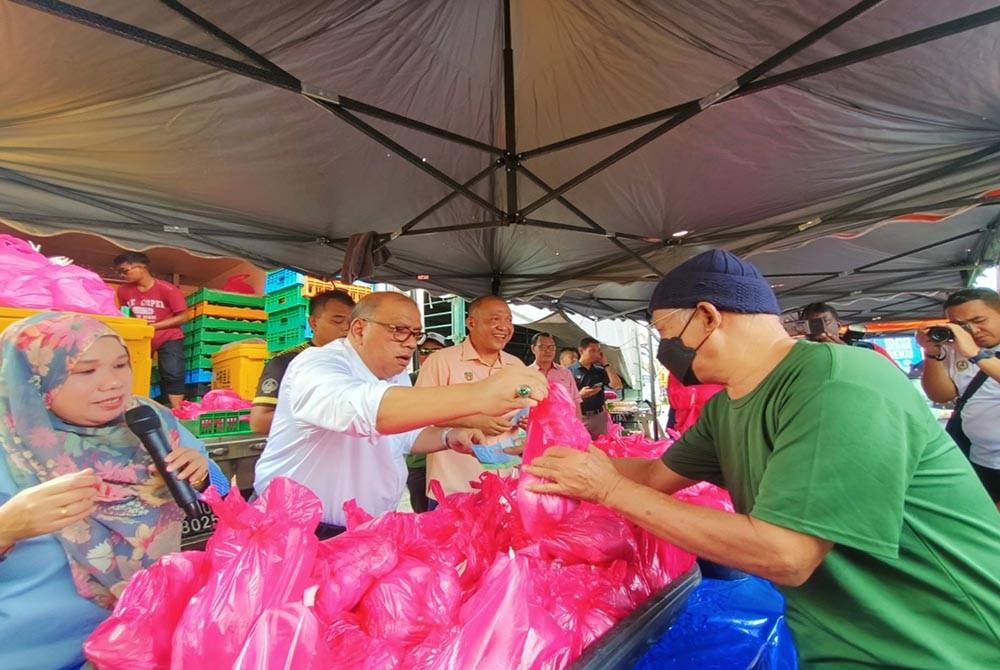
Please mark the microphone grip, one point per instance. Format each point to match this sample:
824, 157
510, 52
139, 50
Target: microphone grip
182, 492
142, 421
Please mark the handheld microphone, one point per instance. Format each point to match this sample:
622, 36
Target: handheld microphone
143, 421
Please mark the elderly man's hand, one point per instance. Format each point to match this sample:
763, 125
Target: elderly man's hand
586, 475
490, 425
510, 389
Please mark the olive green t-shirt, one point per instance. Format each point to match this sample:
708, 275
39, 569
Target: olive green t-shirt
836, 443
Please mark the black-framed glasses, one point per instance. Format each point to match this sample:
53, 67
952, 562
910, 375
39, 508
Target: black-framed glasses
402, 333
427, 351
546, 347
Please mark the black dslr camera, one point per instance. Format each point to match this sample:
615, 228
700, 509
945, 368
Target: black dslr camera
940, 334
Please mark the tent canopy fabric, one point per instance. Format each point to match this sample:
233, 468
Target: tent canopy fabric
849, 149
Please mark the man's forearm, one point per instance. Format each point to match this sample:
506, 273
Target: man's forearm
614, 381
991, 366
935, 381
405, 408
736, 540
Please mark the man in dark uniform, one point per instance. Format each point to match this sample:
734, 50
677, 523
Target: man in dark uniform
329, 318
592, 373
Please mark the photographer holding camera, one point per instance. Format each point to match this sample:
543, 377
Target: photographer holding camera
961, 363
823, 325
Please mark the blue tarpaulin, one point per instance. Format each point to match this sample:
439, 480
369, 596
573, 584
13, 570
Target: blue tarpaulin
726, 625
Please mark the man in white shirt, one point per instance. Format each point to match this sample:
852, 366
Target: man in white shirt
951, 363
347, 416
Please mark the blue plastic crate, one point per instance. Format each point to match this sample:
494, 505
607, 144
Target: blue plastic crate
198, 376
282, 278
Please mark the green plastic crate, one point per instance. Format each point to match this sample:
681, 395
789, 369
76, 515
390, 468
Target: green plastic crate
227, 325
198, 349
285, 339
219, 424
203, 362
286, 298
285, 319
225, 298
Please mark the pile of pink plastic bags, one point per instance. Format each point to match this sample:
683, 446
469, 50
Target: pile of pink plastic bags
497, 578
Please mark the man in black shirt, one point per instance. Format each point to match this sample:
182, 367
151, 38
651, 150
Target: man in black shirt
592, 373
329, 318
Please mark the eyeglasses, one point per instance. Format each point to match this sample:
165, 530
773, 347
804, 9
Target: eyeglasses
427, 351
402, 333
124, 270
546, 347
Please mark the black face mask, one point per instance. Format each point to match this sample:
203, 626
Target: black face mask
678, 357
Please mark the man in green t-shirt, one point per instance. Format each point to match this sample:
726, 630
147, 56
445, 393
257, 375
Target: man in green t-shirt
849, 495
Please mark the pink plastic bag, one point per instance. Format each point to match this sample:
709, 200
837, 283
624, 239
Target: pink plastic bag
355, 649
289, 637
499, 628
411, 601
590, 534
187, 410
347, 566
552, 422
262, 556
138, 634
30, 280
223, 400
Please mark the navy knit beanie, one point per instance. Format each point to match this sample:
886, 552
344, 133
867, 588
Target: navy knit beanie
718, 277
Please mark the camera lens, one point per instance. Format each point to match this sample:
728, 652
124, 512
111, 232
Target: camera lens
940, 334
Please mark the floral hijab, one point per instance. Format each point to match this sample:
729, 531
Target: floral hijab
136, 521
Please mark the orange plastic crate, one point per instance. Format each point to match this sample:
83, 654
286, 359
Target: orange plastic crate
313, 286
208, 309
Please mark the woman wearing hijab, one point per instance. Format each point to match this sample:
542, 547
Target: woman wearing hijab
81, 507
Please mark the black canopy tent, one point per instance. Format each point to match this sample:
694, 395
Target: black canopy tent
793, 132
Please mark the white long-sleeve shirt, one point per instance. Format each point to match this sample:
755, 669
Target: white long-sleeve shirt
323, 434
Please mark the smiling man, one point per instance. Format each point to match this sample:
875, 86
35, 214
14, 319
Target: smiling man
966, 366
479, 356
848, 494
346, 415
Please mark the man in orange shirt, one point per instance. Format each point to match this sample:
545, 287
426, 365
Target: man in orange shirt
490, 326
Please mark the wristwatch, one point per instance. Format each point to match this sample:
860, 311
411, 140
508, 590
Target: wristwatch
983, 354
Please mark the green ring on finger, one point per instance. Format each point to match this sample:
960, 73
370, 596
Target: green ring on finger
523, 390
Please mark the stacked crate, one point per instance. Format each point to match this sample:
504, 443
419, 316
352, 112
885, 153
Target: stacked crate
287, 305
217, 318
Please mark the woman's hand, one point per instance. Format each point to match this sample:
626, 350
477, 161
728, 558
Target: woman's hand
187, 463
48, 507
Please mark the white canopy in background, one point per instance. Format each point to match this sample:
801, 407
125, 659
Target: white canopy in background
790, 131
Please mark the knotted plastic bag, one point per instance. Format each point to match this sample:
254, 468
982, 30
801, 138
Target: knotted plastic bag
553, 422
30, 280
138, 634
289, 637
262, 556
